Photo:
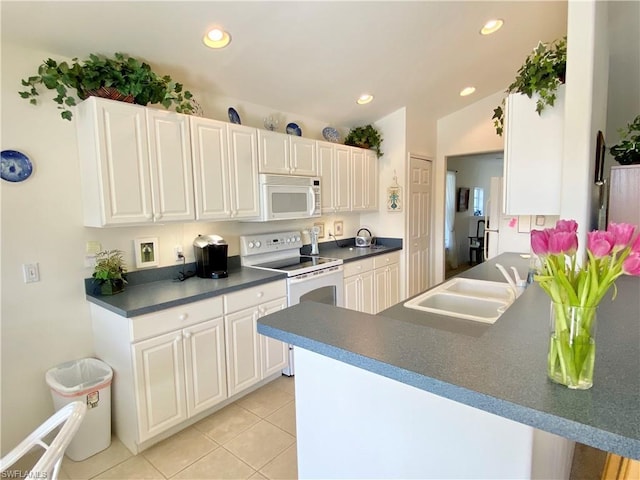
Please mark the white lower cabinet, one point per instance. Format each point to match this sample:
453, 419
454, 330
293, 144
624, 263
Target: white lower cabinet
372, 285
250, 356
174, 364
386, 276
359, 286
179, 374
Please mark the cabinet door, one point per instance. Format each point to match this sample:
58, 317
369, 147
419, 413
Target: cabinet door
352, 292
367, 292
205, 366
371, 179
273, 152
243, 361
114, 156
387, 286
358, 179
171, 165
381, 280
325, 152
274, 353
160, 383
243, 168
210, 169
393, 284
533, 156
342, 178
303, 156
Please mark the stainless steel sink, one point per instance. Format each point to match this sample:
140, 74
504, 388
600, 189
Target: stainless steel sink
466, 298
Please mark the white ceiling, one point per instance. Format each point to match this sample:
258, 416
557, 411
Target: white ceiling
310, 58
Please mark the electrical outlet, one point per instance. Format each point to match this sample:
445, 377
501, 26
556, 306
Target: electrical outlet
337, 226
178, 253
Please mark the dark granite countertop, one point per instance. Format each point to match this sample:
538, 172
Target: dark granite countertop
158, 295
499, 368
156, 289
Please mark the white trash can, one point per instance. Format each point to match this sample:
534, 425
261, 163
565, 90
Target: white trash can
87, 380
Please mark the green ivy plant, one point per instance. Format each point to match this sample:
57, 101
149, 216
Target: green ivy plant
627, 152
365, 137
110, 271
131, 78
542, 73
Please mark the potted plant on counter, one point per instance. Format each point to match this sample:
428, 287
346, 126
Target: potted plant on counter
541, 74
110, 272
627, 152
120, 77
365, 137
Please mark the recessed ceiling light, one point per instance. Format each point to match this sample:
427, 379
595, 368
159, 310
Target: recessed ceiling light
216, 38
364, 99
467, 91
491, 26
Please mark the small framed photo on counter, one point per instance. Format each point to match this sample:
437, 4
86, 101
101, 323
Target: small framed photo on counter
147, 253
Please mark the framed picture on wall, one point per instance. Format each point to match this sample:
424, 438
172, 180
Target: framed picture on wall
146, 250
463, 199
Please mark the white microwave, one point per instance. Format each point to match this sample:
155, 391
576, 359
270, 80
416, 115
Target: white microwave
286, 197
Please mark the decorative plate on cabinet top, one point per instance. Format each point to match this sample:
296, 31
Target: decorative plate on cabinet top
15, 166
233, 116
330, 134
293, 129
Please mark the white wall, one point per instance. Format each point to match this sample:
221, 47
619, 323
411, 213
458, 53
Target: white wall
585, 110
384, 223
467, 131
47, 323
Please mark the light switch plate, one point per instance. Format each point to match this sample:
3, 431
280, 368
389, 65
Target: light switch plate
337, 227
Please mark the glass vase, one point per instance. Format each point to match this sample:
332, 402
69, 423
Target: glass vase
572, 345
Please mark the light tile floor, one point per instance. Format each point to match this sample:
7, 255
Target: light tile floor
254, 437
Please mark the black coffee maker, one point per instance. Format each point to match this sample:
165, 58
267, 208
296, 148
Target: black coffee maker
211, 256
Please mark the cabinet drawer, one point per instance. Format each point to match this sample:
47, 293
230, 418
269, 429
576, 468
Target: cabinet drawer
250, 297
356, 268
175, 318
388, 259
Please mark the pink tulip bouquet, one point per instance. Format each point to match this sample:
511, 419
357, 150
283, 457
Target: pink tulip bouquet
576, 290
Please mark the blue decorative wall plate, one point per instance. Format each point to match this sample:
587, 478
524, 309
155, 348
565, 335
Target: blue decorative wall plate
330, 134
293, 129
14, 166
233, 116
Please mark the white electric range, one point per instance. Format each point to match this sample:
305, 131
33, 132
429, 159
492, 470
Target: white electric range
309, 277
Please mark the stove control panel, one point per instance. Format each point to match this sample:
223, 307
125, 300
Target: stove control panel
269, 242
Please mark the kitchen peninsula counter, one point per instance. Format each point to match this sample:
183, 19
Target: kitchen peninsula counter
499, 368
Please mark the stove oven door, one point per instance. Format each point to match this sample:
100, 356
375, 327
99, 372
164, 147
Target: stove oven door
323, 286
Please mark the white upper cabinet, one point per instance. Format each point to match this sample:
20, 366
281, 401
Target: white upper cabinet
334, 172
225, 170
135, 163
533, 156
114, 161
283, 154
371, 179
364, 180
170, 160
303, 156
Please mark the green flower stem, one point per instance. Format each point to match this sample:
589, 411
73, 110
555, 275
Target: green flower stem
571, 355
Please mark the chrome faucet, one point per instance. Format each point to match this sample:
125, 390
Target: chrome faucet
313, 235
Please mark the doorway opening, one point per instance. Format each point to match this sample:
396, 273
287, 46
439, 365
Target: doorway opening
466, 194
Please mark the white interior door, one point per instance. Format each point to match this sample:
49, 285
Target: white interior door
419, 225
